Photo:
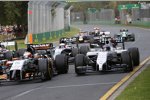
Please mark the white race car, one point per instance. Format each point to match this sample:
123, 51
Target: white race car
99, 59
126, 35
37, 64
67, 50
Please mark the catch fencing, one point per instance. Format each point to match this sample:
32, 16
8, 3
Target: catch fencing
104, 16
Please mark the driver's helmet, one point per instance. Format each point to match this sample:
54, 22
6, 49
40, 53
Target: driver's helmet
62, 45
103, 33
124, 30
96, 28
27, 55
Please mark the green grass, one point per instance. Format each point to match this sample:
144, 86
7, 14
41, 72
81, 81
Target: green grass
70, 33
139, 89
21, 44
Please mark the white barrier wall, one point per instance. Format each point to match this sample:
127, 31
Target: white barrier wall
45, 19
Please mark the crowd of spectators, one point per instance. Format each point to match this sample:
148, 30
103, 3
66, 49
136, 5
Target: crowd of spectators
13, 31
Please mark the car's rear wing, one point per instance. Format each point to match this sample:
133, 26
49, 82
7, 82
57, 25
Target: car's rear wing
118, 40
105, 32
44, 46
65, 40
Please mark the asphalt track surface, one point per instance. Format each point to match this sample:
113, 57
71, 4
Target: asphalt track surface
72, 87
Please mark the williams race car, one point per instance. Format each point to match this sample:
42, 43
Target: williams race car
107, 58
66, 47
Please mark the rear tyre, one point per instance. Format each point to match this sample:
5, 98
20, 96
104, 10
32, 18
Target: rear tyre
75, 51
84, 49
9, 55
126, 59
134, 52
15, 55
20, 52
91, 39
61, 62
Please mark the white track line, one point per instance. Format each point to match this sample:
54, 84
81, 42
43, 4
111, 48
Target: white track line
67, 86
55, 87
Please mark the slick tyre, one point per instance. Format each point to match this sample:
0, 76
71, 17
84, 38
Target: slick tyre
84, 49
75, 51
126, 59
8, 55
45, 67
61, 62
133, 37
79, 61
134, 52
20, 52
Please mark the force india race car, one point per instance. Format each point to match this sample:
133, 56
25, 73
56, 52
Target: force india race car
124, 33
99, 59
37, 64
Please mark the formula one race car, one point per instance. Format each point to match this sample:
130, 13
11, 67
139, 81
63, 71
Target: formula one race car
65, 47
82, 37
37, 62
5, 53
102, 37
96, 32
105, 59
125, 35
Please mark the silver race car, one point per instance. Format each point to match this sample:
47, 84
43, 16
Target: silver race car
106, 58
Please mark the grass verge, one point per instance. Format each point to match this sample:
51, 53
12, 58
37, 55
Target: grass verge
70, 33
139, 89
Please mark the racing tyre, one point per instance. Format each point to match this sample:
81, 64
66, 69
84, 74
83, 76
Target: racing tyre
45, 67
79, 61
134, 52
126, 59
15, 54
84, 49
133, 37
20, 52
75, 51
91, 39
8, 55
61, 62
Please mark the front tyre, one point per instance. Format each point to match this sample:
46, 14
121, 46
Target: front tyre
61, 62
79, 62
127, 60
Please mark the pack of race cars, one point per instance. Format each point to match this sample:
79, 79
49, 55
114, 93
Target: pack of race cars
45, 60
